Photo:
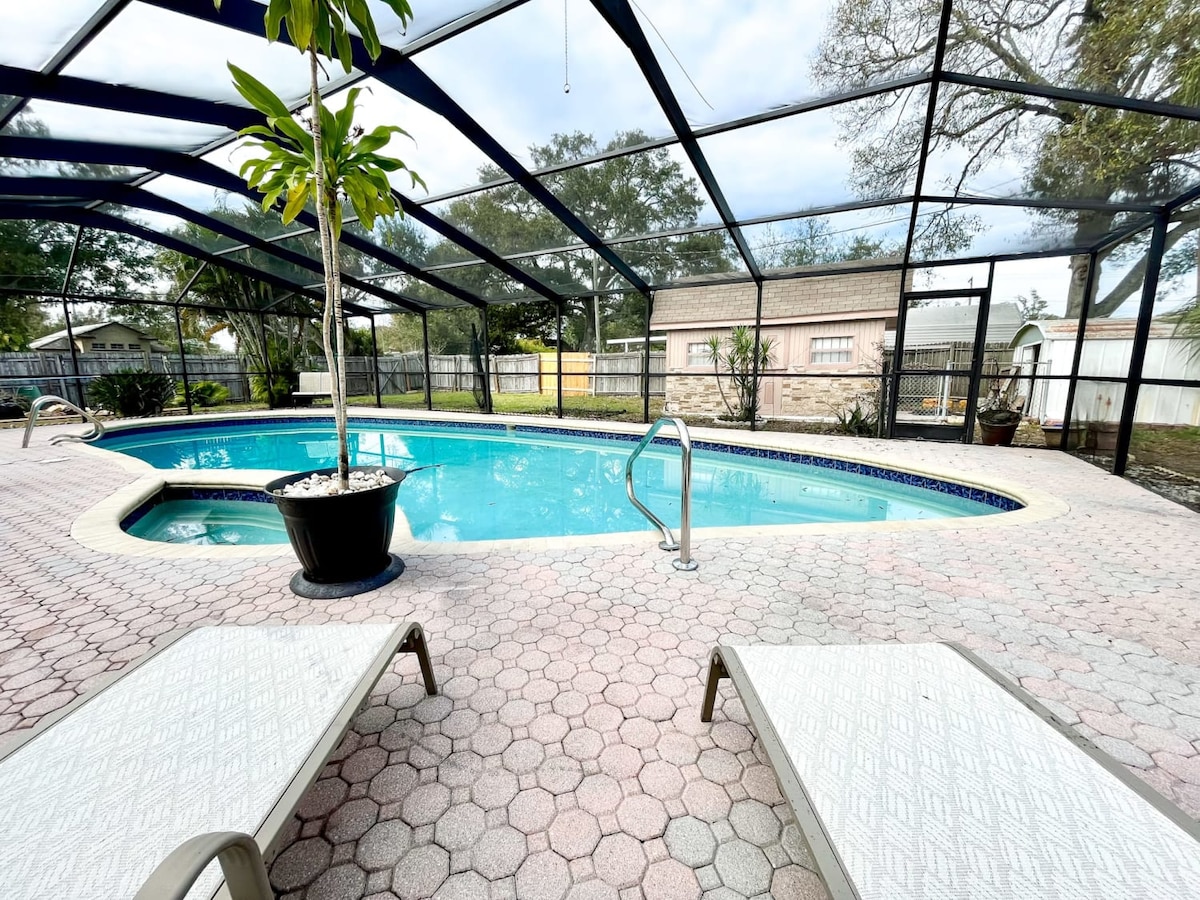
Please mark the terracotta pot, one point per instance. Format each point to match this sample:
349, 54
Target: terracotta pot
997, 435
1102, 436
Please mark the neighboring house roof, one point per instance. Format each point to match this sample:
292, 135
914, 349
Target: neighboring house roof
83, 330
928, 325
1039, 331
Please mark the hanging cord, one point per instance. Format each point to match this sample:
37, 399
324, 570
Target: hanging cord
672, 52
566, 54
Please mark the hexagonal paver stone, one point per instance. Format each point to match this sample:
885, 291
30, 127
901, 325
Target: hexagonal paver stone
463, 886
619, 860
460, 769
706, 801
678, 749
732, 737
425, 804
350, 821
549, 728
531, 811
796, 883
598, 794
345, 882
743, 867
543, 876
642, 816
583, 743
383, 845
761, 784
420, 872
374, 719
393, 784
661, 780
669, 879
755, 822
720, 766
459, 827
460, 724
364, 764
490, 739
691, 841
593, 890
432, 709
523, 756
494, 789
574, 833
400, 735
620, 761
499, 852
322, 798
300, 864
560, 774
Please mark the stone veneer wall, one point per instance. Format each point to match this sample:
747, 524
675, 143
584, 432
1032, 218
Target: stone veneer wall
808, 397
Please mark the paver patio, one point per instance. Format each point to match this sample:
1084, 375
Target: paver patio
565, 756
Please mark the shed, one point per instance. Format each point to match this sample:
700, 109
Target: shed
939, 326
1045, 351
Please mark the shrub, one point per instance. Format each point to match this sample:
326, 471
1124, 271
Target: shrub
131, 392
857, 420
208, 393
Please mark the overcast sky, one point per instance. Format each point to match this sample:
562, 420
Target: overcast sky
509, 74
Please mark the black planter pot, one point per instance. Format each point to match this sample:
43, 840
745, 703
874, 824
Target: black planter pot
341, 540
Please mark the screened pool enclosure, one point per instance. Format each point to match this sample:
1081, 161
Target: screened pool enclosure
873, 198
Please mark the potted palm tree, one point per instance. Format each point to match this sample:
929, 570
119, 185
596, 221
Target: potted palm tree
339, 520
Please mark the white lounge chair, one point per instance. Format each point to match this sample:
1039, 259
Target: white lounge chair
312, 385
916, 771
213, 736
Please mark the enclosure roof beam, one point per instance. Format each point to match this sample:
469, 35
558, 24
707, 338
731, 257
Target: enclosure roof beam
1074, 95
770, 115
123, 98
400, 73
126, 195
620, 17
1041, 203
78, 297
188, 167
90, 218
107, 11
247, 17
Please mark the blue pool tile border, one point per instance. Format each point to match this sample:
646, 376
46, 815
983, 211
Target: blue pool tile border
939, 485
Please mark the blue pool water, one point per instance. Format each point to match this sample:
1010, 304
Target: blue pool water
496, 482
211, 521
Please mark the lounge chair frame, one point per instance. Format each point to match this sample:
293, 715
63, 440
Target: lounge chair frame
724, 663
408, 638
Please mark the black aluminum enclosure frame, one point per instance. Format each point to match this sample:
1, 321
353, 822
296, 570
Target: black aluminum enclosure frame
97, 204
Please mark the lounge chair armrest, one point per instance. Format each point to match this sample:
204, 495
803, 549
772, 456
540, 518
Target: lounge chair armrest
241, 863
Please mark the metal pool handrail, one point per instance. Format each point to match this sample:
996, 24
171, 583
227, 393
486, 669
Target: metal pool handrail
45, 400
684, 544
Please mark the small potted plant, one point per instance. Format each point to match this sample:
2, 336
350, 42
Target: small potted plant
1052, 431
339, 520
998, 421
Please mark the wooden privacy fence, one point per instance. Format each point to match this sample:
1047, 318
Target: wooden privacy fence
52, 373
613, 374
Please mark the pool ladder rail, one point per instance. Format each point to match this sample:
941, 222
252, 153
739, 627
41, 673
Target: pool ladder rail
685, 562
97, 430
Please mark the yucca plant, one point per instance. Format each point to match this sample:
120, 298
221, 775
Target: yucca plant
742, 357
326, 160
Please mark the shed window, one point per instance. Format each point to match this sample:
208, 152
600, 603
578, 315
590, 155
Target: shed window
698, 354
97, 345
116, 346
832, 350
135, 346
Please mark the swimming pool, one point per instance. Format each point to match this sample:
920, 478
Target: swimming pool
493, 481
